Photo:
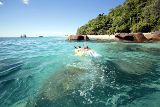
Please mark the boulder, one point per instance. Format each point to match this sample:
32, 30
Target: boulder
139, 67
58, 88
139, 37
154, 36
125, 36
133, 37
77, 37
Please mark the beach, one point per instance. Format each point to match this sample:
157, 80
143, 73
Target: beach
102, 37
112, 37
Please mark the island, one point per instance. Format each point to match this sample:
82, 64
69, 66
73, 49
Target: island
23, 36
134, 20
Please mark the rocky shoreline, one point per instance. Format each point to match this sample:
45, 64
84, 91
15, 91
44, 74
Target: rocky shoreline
131, 37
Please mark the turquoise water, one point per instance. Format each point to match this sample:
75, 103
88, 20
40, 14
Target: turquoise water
44, 72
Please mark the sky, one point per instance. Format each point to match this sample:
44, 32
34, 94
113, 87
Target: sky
49, 17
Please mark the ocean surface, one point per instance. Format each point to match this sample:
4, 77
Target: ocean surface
44, 72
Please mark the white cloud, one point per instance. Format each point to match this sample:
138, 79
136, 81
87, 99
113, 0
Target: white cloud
26, 2
1, 3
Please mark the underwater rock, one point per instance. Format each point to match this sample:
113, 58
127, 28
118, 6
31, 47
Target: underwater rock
77, 87
81, 87
59, 86
139, 67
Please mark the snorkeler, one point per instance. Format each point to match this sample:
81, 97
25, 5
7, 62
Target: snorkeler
87, 48
85, 51
77, 47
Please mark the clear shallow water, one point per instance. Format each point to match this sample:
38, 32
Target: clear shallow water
44, 72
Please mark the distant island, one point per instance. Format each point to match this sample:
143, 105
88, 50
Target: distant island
131, 16
23, 36
133, 21
40, 36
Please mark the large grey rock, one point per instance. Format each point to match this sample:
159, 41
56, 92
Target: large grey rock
133, 37
77, 37
135, 66
58, 88
154, 36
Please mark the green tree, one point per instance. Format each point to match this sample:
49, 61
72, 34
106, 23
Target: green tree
132, 16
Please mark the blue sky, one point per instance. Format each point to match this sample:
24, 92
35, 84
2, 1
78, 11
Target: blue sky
49, 17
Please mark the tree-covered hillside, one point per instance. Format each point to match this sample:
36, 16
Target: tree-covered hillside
132, 16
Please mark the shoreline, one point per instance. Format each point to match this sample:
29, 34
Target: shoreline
134, 37
102, 37
111, 37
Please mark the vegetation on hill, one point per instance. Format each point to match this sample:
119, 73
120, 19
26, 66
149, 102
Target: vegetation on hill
132, 16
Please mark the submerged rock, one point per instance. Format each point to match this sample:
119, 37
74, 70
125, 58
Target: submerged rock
58, 88
135, 66
76, 87
101, 82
